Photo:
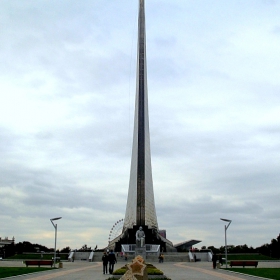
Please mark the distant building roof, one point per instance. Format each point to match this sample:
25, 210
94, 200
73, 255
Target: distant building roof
6, 241
186, 244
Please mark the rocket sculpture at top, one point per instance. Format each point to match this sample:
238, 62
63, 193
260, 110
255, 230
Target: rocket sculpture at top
140, 209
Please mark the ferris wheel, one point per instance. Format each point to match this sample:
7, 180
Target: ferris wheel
116, 230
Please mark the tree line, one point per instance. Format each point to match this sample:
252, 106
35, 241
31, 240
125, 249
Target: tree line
272, 249
26, 246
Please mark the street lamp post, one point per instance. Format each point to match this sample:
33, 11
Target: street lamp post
55, 227
226, 227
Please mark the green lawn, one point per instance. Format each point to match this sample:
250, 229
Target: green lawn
14, 271
271, 273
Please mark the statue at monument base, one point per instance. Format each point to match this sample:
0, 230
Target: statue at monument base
140, 238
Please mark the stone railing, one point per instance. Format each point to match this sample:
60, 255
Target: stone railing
150, 248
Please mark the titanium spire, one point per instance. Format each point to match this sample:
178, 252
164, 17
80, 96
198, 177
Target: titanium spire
140, 208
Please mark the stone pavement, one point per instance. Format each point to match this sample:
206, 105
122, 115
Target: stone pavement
82, 270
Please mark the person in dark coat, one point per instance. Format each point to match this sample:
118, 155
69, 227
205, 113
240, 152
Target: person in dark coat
112, 260
161, 258
220, 259
214, 260
105, 263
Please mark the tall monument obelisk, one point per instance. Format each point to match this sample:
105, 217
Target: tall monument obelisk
140, 209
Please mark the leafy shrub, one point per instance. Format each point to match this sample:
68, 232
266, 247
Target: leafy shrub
154, 271
120, 271
151, 270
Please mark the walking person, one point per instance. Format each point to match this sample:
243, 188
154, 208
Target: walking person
220, 260
214, 260
112, 260
105, 263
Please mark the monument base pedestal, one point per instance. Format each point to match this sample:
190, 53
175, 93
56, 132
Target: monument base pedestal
141, 251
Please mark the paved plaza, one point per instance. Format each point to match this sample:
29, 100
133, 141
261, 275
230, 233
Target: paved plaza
82, 270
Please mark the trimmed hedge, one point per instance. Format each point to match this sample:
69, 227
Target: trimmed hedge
151, 270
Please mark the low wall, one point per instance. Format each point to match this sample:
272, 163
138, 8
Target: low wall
81, 256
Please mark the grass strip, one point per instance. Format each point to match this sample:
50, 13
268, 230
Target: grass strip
271, 273
14, 271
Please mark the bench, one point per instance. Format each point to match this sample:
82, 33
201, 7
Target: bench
243, 263
39, 262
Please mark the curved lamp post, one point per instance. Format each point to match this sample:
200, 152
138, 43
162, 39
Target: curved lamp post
55, 227
226, 227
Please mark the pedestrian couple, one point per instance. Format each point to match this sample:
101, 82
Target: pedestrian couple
111, 259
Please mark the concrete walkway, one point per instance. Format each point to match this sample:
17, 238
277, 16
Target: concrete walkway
82, 270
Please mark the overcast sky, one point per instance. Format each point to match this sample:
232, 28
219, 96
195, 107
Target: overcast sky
67, 90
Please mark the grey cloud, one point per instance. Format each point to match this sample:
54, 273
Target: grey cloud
213, 118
